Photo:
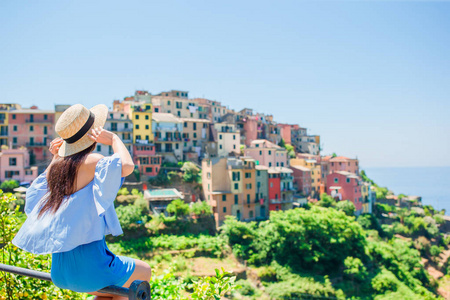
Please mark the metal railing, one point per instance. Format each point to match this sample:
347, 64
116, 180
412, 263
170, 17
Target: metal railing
138, 290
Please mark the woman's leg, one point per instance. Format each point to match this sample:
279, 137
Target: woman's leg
142, 271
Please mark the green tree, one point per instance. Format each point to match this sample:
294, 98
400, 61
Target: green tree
9, 185
191, 172
326, 200
130, 216
178, 208
201, 208
347, 207
355, 269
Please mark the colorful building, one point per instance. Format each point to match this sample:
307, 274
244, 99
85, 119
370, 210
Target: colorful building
15, 164
32, 128
120, 124
302, 179
317, 184
141, 116
330, 164
168, 131
274, 189
195, 137
146, 159
343, 185
262, 190
228, 139
229, 187
267, 154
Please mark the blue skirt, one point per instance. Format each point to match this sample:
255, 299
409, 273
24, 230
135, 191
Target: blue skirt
90, 267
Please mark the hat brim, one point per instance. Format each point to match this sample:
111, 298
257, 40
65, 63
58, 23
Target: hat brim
101, 113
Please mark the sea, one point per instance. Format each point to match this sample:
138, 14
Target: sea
431, 183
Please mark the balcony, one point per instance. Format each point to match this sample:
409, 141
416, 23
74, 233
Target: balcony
40, 121
169, 139
280, 201
36, 144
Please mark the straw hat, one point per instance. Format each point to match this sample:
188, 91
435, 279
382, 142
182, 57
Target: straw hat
74, 124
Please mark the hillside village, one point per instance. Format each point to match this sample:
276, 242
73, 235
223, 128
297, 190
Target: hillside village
250, 163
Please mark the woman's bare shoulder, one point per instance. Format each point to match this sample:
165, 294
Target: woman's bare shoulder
91, 160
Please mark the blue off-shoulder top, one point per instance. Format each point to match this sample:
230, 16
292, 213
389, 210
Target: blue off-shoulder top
84, 217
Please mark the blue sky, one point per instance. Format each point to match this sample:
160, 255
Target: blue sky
371, 77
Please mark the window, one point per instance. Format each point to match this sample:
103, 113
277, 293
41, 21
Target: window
12, 161
348, 180
336, 180
248, 199
234, 137
236, 199
312, 180
270, 164
177, 146
236, 186
185, 124
220, 146
194, 126
45, 129
146, 137
31, 128
271, 184
99, 148
146, 126
195, 135
14, 140
146, 117
137, 117
126, 125
220, 136
149, 169
15, 128
13, 117
251, 214
234, 146
168, 102
248, 186
278, 164
260, 152
224, 209
270, 152
224, 197
248, 175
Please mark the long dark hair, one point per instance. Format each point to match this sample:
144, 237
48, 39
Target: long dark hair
62, 179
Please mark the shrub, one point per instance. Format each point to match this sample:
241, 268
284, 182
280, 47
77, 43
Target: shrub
347, 207
385, 281
178, 208
355, 269
267, 273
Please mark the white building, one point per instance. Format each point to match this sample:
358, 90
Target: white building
168, 141
228, 139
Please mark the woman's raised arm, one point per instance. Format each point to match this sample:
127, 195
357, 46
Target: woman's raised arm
106, 137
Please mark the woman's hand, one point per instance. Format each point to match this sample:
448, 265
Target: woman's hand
55, 145
102, 136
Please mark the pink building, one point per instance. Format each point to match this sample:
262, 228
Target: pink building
345, 186
250, 129
302, 179
267, 154
285, 132
331, 164
15, 164
32, 128
146, 160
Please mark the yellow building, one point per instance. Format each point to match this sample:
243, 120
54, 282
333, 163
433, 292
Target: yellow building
316, 173
365, 197
141, 116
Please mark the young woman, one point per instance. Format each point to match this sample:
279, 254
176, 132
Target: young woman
70, 207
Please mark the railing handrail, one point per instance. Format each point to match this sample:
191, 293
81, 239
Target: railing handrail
138, 290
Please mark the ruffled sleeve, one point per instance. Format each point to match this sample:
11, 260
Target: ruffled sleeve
35, 192
107, 182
